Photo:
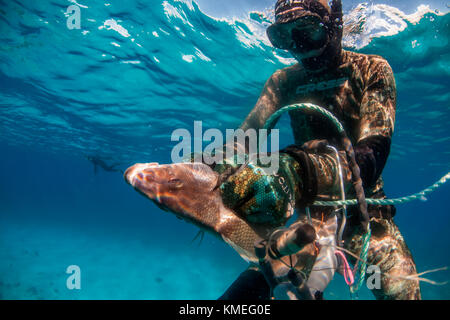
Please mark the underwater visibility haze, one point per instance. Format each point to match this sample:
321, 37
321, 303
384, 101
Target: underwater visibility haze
79, 106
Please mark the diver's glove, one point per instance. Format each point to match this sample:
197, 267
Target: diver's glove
261, 194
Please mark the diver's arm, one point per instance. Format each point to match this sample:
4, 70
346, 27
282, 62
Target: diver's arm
376, 126
268, 103
377, 115
319, 170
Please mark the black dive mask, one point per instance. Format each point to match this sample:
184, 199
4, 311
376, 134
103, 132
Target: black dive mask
309, 29
303, 35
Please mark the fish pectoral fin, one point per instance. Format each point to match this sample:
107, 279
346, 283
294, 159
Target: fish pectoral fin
200, 234
245, 254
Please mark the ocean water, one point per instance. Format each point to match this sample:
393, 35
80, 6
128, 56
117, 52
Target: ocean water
121, 84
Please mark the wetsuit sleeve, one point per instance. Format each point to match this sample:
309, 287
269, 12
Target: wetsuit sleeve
268, 103
377, 114
377, 111
319, 171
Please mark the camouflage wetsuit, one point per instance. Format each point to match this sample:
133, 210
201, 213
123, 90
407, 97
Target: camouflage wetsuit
361, 93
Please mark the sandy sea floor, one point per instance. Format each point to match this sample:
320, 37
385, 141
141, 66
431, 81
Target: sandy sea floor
34, 259
124, 264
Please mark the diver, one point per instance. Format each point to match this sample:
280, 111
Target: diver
360, 90
98, 162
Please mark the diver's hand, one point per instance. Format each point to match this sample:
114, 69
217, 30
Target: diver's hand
261, 196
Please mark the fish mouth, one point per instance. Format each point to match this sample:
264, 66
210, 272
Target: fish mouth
133, 175
143, 178
153, 181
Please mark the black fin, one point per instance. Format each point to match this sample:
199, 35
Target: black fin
200, 234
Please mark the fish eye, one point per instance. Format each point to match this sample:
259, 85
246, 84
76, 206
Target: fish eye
176, 183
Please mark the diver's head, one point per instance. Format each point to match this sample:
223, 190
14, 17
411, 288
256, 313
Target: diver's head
310, 30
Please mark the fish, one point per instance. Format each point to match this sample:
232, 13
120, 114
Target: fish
190, 191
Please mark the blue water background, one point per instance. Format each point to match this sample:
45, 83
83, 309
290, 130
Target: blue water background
120, 92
